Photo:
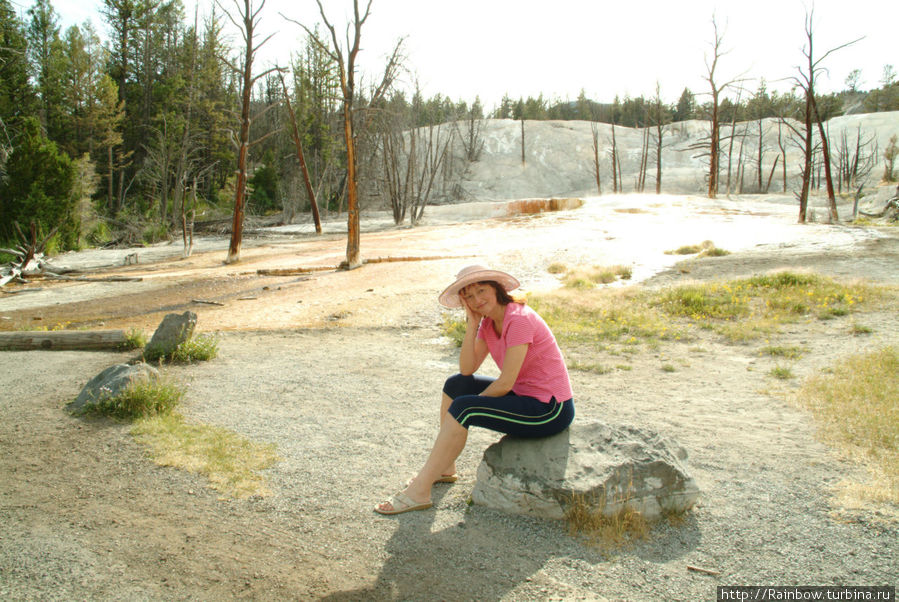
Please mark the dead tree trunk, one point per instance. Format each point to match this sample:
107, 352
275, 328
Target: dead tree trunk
595, 130
806, 81
300, 157
614, 162
346, 66
522, 140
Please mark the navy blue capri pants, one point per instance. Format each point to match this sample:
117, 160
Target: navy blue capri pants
516, 415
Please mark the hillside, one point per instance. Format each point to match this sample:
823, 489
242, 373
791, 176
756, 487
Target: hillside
559, 157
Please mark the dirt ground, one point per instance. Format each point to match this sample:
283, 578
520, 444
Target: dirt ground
310, 361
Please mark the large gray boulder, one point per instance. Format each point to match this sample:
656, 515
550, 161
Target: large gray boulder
172, 331
608, 467
110, 382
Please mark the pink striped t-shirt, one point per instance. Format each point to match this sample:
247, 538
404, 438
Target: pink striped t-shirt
543, 374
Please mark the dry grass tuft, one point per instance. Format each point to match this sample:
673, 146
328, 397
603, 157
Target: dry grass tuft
857, 405
230, 462
585, 517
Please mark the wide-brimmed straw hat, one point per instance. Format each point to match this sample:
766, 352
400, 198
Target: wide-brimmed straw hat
470, 275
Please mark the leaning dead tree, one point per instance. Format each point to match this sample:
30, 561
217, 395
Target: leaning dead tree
247, 22
806, 80
295, 132
345, 59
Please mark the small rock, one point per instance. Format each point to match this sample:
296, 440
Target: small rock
172, 331
110, 383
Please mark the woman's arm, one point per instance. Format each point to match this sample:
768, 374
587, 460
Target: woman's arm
509, 374
474, 350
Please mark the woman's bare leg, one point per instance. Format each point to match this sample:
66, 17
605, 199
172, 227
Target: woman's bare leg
449, 444
445, 403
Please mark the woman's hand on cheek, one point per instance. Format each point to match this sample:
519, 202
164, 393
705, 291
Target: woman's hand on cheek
470, 314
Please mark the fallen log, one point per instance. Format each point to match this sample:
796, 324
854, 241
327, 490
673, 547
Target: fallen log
52, 276
62, 340
292, 271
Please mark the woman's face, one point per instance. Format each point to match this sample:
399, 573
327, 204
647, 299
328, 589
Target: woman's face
480, 297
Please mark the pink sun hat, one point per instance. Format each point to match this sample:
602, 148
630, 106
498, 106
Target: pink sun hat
471, 274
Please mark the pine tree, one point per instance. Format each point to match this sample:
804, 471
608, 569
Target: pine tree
39, 188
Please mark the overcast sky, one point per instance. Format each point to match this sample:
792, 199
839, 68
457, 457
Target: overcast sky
488, 48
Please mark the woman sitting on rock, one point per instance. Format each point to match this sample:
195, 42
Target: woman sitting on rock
531, 398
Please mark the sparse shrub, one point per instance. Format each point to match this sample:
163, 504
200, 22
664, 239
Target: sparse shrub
198, 348
135, 339
588, 277
685, 250
589, 367
858, 329
453, 329
788, 352
781, 372
557, 268
706, 249
143, 397
715, 252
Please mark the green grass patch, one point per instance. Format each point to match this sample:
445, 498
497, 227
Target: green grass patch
745, 309
582, 278
592, 368
135, 339
595, 316
706, 249
857, 406
143, 397
860, 329
781, 372
790, 352
230, 462
198, 348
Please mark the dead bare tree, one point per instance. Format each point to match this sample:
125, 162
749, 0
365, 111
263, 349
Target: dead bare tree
731, 137
411, 161
889, 159
345, 59
716, 90
522, 140
472, 140
644, 161
616, 164
782, 147
594, 128
660, 119
855, 161
806, 80
295, 132
247, 23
